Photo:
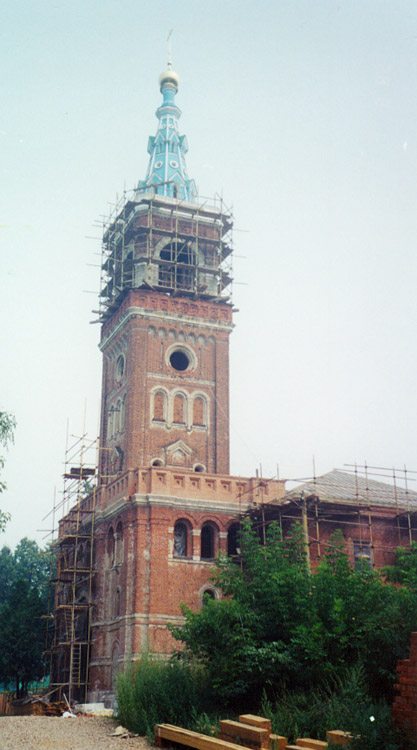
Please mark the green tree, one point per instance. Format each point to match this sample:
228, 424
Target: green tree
7, 427
282, 626
32, 564
24, 579
29, 563
21, 637
7, 573
404, 570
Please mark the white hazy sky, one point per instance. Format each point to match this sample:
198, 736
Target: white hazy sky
303, 113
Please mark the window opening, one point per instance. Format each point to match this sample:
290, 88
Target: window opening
179, 360
119, 552
208, 594
177, 264
120, 367
110, 547
233, 540
362, 555
180, 540
207, 542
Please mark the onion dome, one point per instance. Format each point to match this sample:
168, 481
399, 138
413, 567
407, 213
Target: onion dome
169, 77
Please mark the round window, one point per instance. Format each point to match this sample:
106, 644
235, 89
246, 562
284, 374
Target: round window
180, 357
179, 360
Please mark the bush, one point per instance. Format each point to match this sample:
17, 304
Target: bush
152, 691
279, 627
345, 705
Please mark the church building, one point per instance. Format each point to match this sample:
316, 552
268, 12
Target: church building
148, 522
165, 503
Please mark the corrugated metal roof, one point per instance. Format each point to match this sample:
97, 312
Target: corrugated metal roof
342, 487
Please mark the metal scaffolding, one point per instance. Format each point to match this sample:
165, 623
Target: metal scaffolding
73, 577
351, 499
166, 244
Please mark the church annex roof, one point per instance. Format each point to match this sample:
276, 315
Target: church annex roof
349, 488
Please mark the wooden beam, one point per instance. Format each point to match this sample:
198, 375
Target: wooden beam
256, 721
171, 733
254, 735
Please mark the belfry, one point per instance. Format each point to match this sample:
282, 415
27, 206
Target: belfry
166, 317
165, 503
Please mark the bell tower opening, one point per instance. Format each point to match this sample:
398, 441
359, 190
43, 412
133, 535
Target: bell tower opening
177, 267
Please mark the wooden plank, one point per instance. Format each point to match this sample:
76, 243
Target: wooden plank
243, 744
338, 737
278, 742
311, 744
245, 732
256, 721
191, 739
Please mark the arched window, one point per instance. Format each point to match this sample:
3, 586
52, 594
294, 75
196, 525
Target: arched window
233, 540
117, 414
179, 409
208, 594
207, 542
110, 547
122, 420
180, 540
120, 367
117, 602
119, 553
110, 418
81, 619
87, 555
199, 417
159, 406
114, 665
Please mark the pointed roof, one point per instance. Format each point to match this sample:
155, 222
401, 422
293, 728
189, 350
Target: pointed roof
167, 170
342, 487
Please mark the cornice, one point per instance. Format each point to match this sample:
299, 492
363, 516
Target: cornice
162, 501
162, 316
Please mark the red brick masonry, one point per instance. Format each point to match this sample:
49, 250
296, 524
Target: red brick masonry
405, 703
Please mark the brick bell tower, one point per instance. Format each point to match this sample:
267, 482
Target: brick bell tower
166, 317
166, 504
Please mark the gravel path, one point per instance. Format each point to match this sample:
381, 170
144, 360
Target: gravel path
53, 733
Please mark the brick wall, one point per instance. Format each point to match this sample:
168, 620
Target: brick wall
151, 578
146, 329
405, 703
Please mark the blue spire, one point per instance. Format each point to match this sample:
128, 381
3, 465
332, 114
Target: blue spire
167, 170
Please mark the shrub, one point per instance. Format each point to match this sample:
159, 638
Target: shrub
344, 704
153, 691
280, 627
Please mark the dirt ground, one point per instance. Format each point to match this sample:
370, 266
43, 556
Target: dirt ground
53, 733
